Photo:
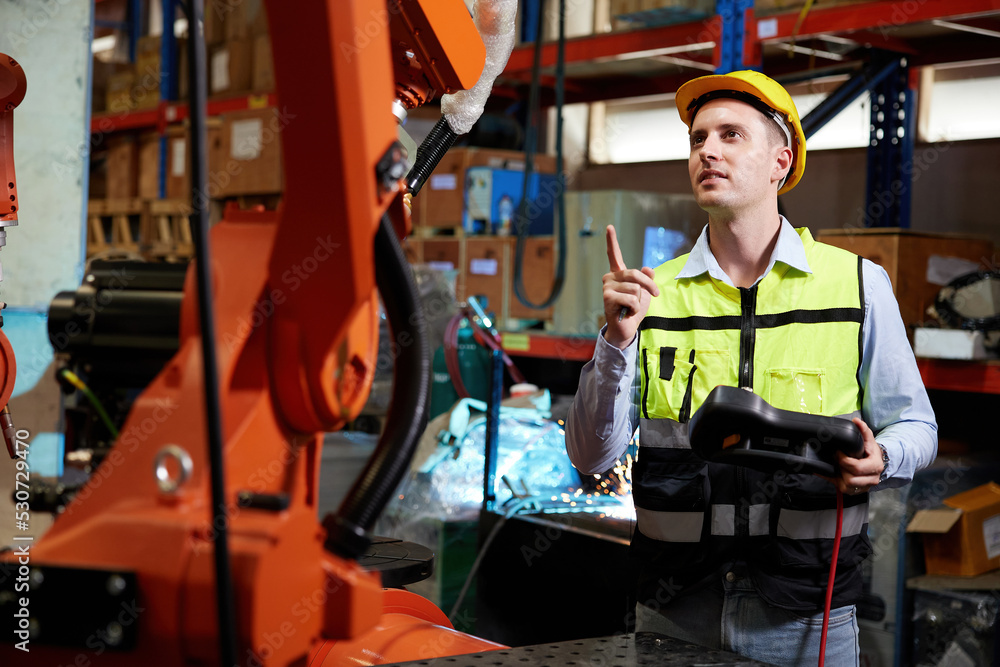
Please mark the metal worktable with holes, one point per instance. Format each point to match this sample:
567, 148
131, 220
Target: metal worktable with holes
625, 650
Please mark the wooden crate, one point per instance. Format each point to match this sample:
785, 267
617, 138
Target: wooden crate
122, 167
445, 254
905, 255
149, 165
250, 154
486, 272
179, 160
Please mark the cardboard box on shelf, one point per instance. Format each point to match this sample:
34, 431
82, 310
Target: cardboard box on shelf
179, 159
147, 72
231, 67
443, 254
486, 273
214, 26
919, 264
118, 95
538, 271
964, 537
263, 65
149, 165
122, 158
441, 201
241, 19
250, 160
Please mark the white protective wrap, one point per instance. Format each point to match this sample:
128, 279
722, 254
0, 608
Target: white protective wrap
496, 21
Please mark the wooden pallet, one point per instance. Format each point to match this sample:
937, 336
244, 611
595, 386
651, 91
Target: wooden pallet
109, 226
167, 231
155, 229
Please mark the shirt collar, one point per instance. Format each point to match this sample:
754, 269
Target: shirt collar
789, 250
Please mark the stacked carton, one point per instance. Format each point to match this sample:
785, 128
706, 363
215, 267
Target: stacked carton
239, 49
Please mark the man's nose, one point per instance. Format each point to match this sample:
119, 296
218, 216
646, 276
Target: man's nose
709, 150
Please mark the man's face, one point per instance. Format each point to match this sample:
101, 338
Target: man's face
732, 161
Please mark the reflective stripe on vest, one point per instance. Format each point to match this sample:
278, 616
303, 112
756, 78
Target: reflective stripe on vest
793, 524
724, 520
670, 526
821, 524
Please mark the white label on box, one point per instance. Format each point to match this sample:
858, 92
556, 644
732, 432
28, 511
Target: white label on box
245, 141
767, 28
441, 266
991, 536
444, 181
179, 159
483, 267
220, 70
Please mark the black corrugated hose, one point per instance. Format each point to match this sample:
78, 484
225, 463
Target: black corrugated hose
522, 220
347, 531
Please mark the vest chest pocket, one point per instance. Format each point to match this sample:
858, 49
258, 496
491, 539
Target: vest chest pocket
676, 380
797, 389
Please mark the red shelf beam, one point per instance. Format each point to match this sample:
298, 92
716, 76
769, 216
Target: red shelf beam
955, 375
548, 346
176, 112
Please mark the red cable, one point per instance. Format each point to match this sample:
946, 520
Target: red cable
451, 355
833, 572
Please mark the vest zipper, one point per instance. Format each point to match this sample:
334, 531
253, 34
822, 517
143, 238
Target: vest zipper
748, 336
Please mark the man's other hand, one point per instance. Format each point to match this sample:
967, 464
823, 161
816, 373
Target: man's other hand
861, 474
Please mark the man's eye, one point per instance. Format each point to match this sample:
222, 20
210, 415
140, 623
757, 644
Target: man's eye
733, 133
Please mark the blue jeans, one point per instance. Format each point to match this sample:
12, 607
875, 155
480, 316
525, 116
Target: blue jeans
731, 616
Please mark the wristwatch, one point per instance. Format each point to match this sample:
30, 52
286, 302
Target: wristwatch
885, 464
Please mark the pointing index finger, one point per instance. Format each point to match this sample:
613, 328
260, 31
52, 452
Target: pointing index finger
614, 252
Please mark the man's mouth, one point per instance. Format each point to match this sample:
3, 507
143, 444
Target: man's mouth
710, 174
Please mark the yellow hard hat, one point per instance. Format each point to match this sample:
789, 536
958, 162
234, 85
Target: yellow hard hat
757, 90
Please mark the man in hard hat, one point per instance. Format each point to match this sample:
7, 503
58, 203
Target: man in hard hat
730, 557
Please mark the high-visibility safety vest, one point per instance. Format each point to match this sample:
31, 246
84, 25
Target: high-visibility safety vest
794, 339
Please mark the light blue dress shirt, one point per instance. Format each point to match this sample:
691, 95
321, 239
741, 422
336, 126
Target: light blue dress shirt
895, 406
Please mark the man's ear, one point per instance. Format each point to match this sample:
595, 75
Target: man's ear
782, 164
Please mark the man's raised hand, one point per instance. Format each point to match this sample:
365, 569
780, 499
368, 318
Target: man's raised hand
628, 289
